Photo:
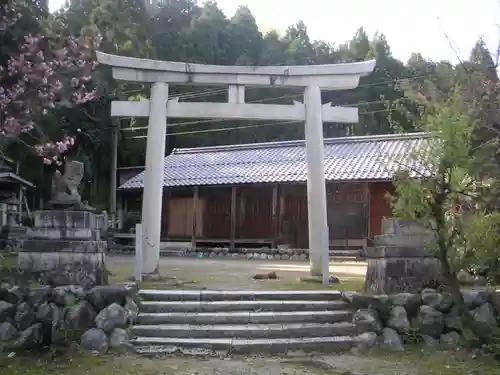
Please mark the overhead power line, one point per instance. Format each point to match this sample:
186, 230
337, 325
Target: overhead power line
195, 122
242, 127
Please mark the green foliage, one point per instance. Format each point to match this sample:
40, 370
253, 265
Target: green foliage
413, 337
481, 242
443, 189
389, 99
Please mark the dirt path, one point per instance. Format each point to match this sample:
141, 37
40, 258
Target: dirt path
328, 365
411, 363
230, 274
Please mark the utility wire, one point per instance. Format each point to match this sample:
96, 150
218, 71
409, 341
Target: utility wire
286, 97
243, 126
196, 122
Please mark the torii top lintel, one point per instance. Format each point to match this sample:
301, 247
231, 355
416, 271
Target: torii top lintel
328, 77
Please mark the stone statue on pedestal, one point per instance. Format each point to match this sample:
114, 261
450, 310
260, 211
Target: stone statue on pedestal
65, 193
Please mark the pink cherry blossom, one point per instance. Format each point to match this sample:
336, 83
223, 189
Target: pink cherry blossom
45, 71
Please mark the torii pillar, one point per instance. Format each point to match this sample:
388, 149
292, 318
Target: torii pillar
312, 78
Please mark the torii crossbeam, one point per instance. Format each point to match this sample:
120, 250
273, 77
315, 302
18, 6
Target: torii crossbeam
313, 78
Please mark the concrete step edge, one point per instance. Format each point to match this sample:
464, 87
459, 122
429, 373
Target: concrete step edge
215, 295
240, 346
223, 306
245, 330
248, 313
223, 327
244, 317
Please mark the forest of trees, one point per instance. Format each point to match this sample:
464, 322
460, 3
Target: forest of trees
389, 100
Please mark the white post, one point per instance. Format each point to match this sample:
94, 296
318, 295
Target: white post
236, 94
138, 253
316, 189
153, 178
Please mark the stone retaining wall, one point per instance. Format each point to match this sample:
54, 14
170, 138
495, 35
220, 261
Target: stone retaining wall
258, 254
430, 317
240, 253
97, 318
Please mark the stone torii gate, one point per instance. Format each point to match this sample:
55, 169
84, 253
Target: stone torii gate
313, 78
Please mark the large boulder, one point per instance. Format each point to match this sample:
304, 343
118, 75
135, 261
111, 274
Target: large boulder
411, 302
38, 295
7, 332
485, 316
439, 301
119, 339
67, 295
30, 338
398, 320
94, 340
430, 321
25, 316
51, 316
381, 303
391, 340
15, 294
105, 295
111, 317
7, 311
475, 298
49, 313
367, 341
367, 320
80, 317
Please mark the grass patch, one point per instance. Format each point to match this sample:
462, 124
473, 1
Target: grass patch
445, 362
196, 278
8, 261
345, 285
222, 275
44, 365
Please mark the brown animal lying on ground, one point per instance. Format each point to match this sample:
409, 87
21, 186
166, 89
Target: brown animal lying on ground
266, 276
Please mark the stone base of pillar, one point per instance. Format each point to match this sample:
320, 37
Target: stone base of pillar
85, 269
65, 249
398, 269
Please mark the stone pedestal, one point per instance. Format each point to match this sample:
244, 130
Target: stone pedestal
401, 261
66, 248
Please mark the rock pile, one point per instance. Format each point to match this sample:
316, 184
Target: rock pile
97, 318
431, 317
258, 254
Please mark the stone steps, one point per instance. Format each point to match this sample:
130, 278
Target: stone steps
244, 317
243, 346
245, 331
243, 321
235, 295
222, 306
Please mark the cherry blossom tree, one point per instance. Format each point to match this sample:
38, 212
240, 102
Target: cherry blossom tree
41, 72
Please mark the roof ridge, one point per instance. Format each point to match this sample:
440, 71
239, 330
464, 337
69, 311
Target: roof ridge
301, 142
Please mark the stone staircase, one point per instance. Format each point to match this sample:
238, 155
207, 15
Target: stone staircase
243, 321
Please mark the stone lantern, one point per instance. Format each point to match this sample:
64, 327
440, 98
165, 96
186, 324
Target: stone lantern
13, 212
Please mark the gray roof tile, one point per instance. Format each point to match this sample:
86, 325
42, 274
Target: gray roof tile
346, 159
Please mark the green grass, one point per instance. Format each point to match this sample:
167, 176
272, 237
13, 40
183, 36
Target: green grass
445, 363
345, 285
44, 365
286, 282
8, 261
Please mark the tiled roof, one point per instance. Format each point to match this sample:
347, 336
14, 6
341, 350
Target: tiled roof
346, 159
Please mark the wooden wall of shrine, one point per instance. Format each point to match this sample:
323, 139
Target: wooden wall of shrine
272, 214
